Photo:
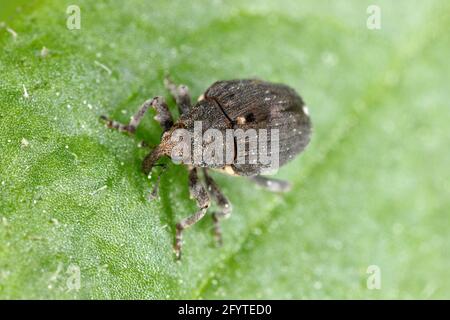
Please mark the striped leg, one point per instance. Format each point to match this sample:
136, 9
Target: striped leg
222, 202
163, 116
180, 94
199, 193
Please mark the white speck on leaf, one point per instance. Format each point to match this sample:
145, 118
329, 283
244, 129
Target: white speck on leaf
12, 32
24, 143
104, 67
75, 156
98, 190
44, 52
25, 92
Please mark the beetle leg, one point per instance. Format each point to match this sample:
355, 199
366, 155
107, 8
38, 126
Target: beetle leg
155, 190
199, 193
273, 185
131, 126
163, 116
222, 202
180, 94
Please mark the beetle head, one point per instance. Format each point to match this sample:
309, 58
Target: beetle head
165, 148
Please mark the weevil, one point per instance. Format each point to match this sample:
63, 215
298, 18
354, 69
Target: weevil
233, 104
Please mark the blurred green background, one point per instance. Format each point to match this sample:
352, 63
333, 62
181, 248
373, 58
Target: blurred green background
371, 189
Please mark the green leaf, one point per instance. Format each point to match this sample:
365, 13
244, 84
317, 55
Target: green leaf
371, 189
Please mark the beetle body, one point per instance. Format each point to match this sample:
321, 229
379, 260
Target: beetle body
247, 105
